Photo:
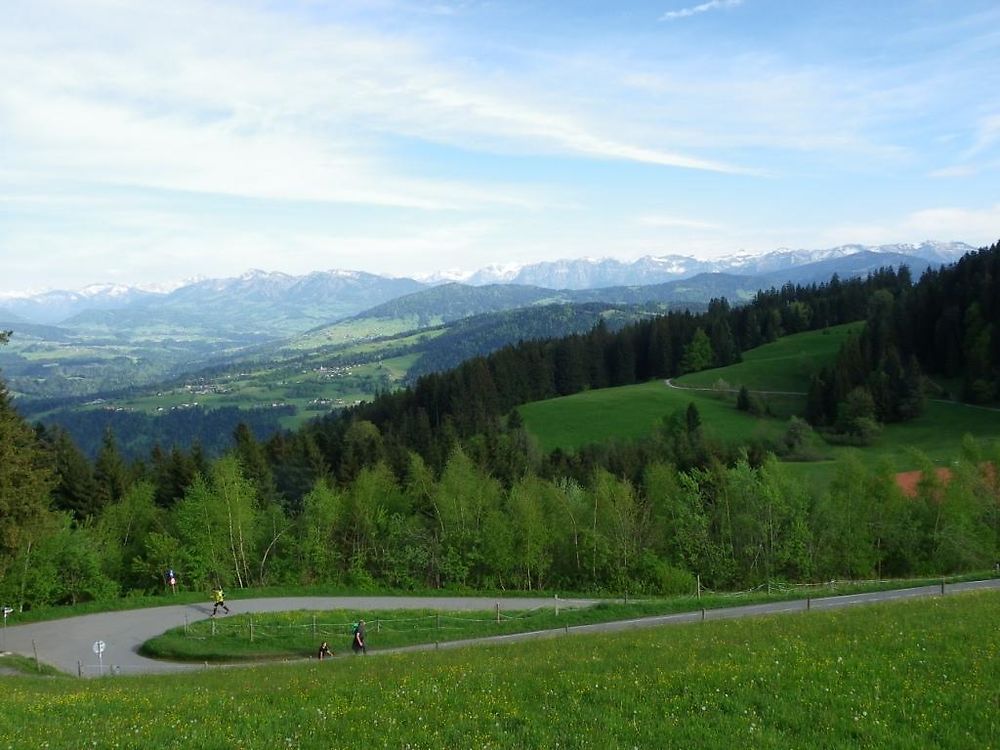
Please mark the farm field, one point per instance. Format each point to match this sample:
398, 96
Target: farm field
920, 673
311, 386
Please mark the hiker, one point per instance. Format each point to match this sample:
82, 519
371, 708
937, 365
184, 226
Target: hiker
220, 601
324, 651
358, 643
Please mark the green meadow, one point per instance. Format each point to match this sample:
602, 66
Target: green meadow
786, 365
920, 673
783, 365
633, 411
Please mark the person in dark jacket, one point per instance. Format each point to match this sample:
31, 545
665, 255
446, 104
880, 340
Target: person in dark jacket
358, 643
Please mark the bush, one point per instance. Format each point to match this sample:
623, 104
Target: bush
656, 576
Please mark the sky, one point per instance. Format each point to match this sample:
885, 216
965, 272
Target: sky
149, 142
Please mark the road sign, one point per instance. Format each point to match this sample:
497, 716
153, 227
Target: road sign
98, 647
6, 611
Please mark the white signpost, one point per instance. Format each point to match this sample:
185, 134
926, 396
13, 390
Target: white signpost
6, 611
99, 650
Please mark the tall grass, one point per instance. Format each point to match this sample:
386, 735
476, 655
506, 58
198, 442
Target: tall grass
904, 675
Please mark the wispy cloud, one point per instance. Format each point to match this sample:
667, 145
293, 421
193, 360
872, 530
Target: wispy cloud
673, 15
987, 135
977, 226
306, 121
675, 222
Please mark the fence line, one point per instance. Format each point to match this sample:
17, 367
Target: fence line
452, 622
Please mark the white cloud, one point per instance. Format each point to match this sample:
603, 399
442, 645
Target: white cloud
220, 98
675, 222
956, 171
986, 136
673, 15
976, 226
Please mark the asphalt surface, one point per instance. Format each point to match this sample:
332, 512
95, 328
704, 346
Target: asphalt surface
68, 643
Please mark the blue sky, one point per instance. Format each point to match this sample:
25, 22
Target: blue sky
145, 142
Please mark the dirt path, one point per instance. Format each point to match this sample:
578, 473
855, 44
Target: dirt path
671, 384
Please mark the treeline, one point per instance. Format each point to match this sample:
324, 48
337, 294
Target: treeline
482, 334
440, 485
950, 323
734, 525
138, 433
943, 326
475, 398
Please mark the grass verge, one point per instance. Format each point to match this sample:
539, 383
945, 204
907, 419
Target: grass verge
297, 634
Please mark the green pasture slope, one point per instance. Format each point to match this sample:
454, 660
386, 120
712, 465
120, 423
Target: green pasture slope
919, 673
633, 411
784, 365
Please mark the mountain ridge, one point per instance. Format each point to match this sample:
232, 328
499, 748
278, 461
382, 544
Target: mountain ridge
318, 297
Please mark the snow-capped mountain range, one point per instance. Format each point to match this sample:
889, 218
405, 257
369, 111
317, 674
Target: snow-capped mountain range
349, 291
589, 273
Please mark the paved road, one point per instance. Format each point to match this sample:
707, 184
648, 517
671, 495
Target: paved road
63, 642
749, 610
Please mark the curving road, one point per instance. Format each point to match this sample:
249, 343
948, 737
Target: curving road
68, 643
63, 643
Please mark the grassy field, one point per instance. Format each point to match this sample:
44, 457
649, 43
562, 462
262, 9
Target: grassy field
633, 411
296, 634
909, 674
937, 434
785, 365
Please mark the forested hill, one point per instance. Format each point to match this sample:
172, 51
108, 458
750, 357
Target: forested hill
944, 326
953, 308
483, 334
472, 398
440, 485
454, 301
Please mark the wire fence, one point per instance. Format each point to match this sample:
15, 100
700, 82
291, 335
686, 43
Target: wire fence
449, 625
257, 626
